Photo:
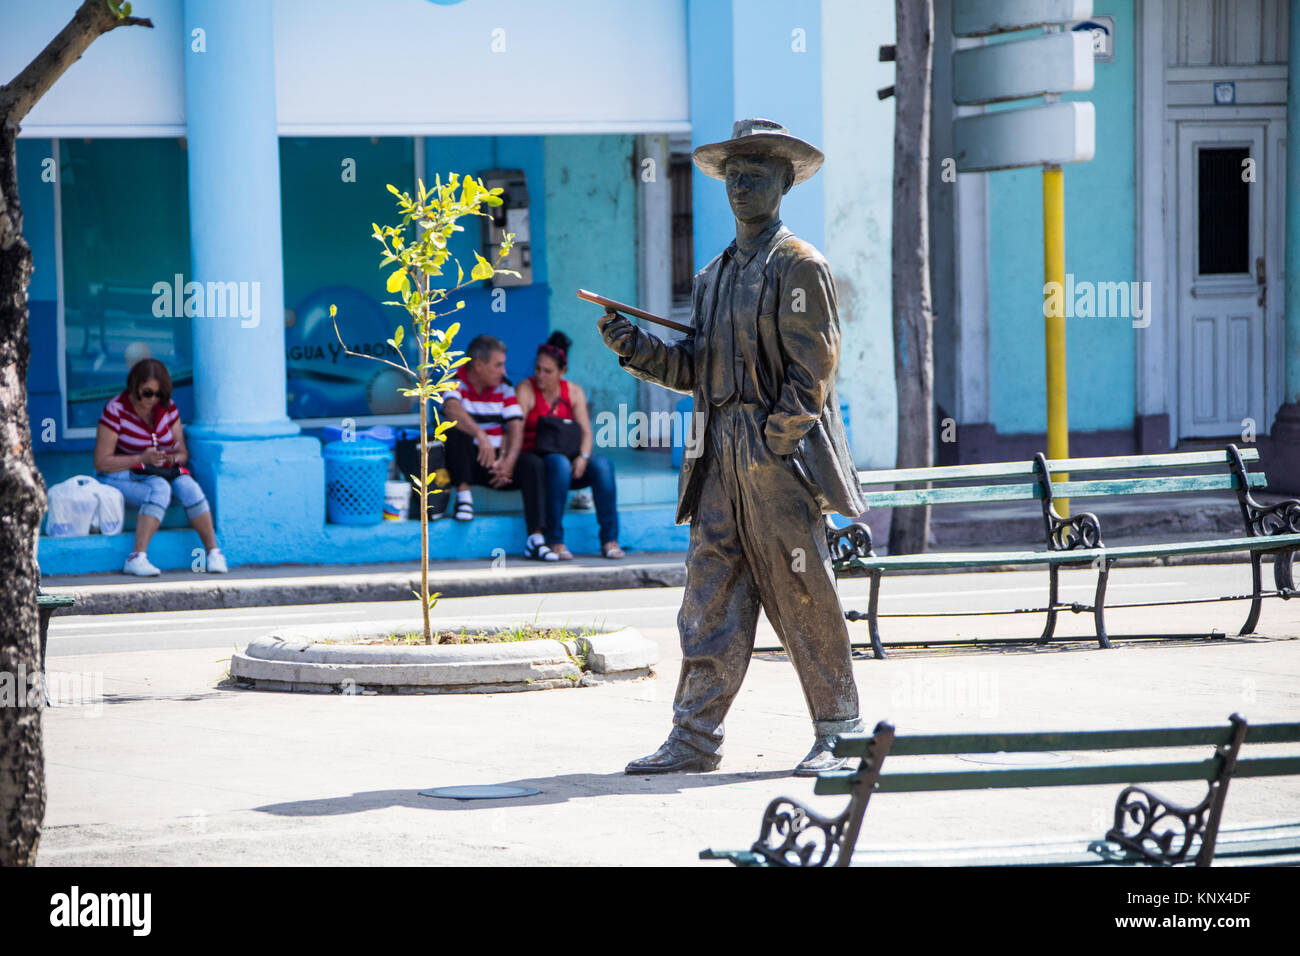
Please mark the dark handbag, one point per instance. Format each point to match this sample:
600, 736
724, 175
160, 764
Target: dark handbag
170, 472
559, 436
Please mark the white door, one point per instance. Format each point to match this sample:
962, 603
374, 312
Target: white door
1222, 277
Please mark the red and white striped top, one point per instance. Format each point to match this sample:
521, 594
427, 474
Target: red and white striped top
133, 435
491, 408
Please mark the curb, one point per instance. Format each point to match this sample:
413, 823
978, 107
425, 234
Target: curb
205, 594
292, 659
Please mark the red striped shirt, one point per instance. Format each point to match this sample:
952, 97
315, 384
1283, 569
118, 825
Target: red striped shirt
491, 408
133, 435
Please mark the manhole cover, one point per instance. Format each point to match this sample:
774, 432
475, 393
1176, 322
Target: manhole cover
490, 792
1003, 758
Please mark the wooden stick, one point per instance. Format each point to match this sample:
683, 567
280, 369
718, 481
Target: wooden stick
611, 305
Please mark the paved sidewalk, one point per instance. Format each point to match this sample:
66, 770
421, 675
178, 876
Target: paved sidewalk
173, 767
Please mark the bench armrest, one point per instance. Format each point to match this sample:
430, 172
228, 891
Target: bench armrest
853, 540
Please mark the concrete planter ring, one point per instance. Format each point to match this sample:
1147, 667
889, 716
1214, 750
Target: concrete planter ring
317, 658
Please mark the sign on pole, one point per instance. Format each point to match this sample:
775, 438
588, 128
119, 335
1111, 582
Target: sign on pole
1050, 63
1037, 136
1059, 61
980, 18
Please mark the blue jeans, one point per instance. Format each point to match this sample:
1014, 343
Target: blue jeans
153, 493
599, 477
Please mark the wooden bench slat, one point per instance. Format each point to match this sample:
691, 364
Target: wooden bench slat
1002, 469
1179, 459
1273, 734
972, 559
1103, 487
855, 745
841, 782
1266, 766
1155, 485
1014, 469
1004, 778
951, 496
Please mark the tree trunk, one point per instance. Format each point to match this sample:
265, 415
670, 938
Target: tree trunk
22, 493
913, 341
22, 502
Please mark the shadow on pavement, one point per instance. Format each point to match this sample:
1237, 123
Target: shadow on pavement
558, 789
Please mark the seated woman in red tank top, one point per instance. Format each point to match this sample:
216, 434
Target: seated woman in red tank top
548, 393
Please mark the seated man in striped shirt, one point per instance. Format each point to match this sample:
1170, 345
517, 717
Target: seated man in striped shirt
484, 447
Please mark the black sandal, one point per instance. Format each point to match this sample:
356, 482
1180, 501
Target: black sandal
464, 511
539, 552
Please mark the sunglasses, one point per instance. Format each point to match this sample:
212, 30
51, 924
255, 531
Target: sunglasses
149, 393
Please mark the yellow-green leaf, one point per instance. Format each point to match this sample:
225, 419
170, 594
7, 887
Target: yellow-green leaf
398, 282
334, 310
398, 333
483, 270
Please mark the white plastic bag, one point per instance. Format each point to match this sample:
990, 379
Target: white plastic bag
71, 507
111, 513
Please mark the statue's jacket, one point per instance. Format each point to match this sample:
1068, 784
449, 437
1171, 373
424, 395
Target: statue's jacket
798, 343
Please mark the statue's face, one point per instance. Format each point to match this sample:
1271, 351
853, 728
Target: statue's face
755, 185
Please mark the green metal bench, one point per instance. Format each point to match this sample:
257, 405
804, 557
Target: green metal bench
1077, 540
1147, 830
46, 605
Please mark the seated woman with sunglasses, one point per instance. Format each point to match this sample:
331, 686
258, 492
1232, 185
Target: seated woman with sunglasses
548, 395
140, 450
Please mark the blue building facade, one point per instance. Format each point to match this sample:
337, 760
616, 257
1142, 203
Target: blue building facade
201, 193
245, 146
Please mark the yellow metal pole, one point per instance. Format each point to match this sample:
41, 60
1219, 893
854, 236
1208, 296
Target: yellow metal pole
1058, 421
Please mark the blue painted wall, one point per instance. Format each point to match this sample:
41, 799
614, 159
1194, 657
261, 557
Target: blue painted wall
591, 235
746, 61
1100, 202
711, 40
778, 62
525, 321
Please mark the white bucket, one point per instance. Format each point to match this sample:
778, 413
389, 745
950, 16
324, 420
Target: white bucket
397, 500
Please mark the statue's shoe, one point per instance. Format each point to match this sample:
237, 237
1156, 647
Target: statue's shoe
675, 757
821, 758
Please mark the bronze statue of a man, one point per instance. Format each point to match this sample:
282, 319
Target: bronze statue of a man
773, 458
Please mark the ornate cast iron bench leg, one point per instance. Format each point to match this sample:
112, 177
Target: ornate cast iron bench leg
1052, 595
1283, 566
1099, 601
873, 616
1257, 597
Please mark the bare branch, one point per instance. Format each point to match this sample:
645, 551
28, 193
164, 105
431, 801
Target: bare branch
92, 19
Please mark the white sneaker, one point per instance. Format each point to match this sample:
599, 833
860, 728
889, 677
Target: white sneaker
216, 562
140, 564
582, 500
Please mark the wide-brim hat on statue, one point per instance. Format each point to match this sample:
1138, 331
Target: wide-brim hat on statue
762, 138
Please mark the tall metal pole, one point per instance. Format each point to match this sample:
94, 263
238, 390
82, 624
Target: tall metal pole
1054, 309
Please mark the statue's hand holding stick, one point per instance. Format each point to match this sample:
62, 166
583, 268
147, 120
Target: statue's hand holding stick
620, 334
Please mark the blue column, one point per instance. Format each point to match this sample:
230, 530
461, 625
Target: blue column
265, 481
234, 166
1293, 216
